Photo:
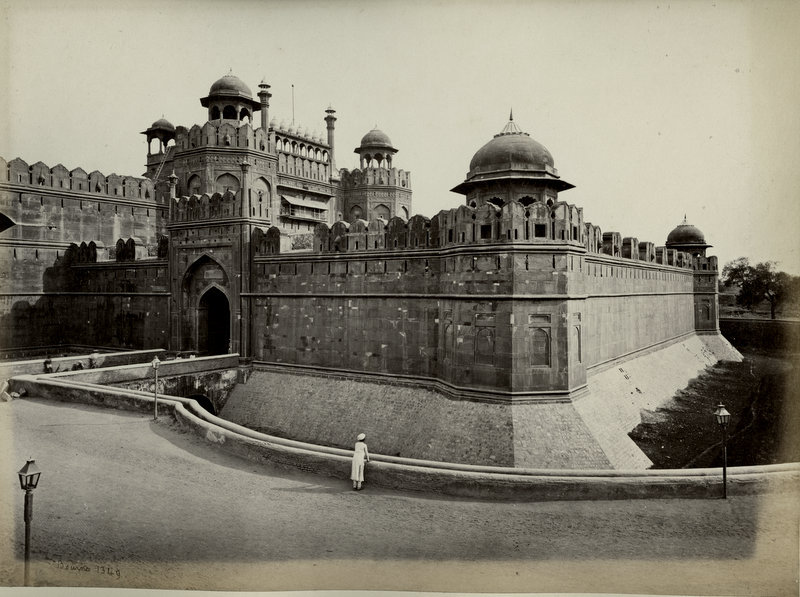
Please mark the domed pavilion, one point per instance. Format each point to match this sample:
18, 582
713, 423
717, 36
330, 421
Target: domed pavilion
229, 98
511, 166
686, 237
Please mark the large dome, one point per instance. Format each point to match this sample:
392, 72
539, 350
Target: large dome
686, 234
512, 155
376, 138
230, 85
511, 151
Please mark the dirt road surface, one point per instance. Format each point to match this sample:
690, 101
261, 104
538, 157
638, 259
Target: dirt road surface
127, 502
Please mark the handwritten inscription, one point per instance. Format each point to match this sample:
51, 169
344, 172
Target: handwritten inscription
103, 570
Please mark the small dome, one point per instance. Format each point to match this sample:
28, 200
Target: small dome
163, 124
686, 234
376, 138
230, 85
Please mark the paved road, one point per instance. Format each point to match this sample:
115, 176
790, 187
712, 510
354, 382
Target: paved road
126, 502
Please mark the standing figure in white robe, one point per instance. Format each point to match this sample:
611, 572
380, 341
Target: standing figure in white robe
360, 456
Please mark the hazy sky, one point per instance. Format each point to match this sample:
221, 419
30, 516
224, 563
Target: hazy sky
653, 110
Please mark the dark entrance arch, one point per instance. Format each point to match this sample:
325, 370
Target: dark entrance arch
205, 402
213, 323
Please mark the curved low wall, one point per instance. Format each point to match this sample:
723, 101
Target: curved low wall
486, 482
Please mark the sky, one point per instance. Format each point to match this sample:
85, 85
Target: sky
653, 110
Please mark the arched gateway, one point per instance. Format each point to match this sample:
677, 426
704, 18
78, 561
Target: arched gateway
205, 308
213, 323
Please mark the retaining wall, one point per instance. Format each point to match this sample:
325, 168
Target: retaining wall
767, 334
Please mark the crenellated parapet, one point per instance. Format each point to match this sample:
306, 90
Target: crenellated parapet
265, 243
195, 208
513, 222
42, 176
538, 223
83, 253
630, 248
359, 177
593, 238
222, 134
701, 263
612, 244
647, 252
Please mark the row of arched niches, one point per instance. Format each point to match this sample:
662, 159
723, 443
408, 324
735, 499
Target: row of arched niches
17, 171
536, 223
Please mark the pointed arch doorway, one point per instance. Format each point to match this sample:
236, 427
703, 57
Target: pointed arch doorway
213, 323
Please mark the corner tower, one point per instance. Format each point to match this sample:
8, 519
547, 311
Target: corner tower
690, 239
376, 189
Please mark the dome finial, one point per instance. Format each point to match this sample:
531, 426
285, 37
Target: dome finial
511, 127
685, 220
511, 114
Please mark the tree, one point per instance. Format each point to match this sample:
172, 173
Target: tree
757, 283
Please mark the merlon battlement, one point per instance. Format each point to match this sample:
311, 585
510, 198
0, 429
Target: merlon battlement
375, 176
203, 207
17, 171
222, 134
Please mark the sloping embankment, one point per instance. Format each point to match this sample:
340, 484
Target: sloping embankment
588, 433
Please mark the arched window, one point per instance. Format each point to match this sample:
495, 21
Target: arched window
227, 182
194, 185
484, 346
382, 211
540, 348
496, 201
260, 191
229, 113
215, 113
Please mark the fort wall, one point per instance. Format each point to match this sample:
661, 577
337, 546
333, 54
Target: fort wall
469, 299
114, 304
51, 212
51, 208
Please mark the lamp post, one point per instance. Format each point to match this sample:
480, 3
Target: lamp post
28, 480
155, 364
723, 418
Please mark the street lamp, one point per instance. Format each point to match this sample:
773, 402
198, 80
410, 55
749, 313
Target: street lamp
28, 480
155, 364
723, 418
